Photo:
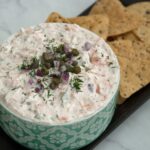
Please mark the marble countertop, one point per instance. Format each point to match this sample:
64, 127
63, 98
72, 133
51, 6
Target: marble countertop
132, 134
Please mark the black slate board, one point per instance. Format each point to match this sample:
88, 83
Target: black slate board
122, 111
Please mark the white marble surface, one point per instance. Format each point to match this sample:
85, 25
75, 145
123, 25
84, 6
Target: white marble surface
134, 133
15, 14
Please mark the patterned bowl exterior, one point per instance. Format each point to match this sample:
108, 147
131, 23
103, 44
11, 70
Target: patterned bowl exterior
60, 137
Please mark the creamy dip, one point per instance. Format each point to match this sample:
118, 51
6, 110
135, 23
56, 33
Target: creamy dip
78, 96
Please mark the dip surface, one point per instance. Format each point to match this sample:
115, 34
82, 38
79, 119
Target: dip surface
78, 96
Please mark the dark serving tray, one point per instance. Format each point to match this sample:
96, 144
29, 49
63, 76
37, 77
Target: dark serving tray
122, 112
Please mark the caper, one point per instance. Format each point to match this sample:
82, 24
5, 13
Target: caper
69, 68
53, 85
74, 63
45, 71
60, 49
47, 65
76, 69
47, 56
75, 52
56, 80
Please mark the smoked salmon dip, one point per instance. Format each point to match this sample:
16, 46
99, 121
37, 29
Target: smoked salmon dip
56, 73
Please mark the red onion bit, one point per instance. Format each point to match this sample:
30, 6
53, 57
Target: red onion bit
37, 90
39, 87
87, 46
65, 76
30, 81
39, 73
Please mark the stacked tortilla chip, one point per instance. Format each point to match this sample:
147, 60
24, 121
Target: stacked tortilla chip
127, 31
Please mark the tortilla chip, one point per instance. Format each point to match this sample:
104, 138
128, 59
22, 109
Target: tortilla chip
98, 24
121, 21
143, 32
130, 80
123, 48
142, 8
135, 72
142, 49
129, 83
135, 77
56, 17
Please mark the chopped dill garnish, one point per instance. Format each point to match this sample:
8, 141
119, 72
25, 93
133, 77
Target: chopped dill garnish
15, 88
49, 93
76, 83
79, 58
32, 73
49, 45
32, 64
24, 65
52, 40
110, 63
102, 55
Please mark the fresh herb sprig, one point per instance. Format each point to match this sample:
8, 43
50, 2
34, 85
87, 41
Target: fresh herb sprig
32, 73
28, 65
76, 84
49, 93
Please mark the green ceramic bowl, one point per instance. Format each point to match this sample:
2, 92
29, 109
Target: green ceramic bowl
58, 137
